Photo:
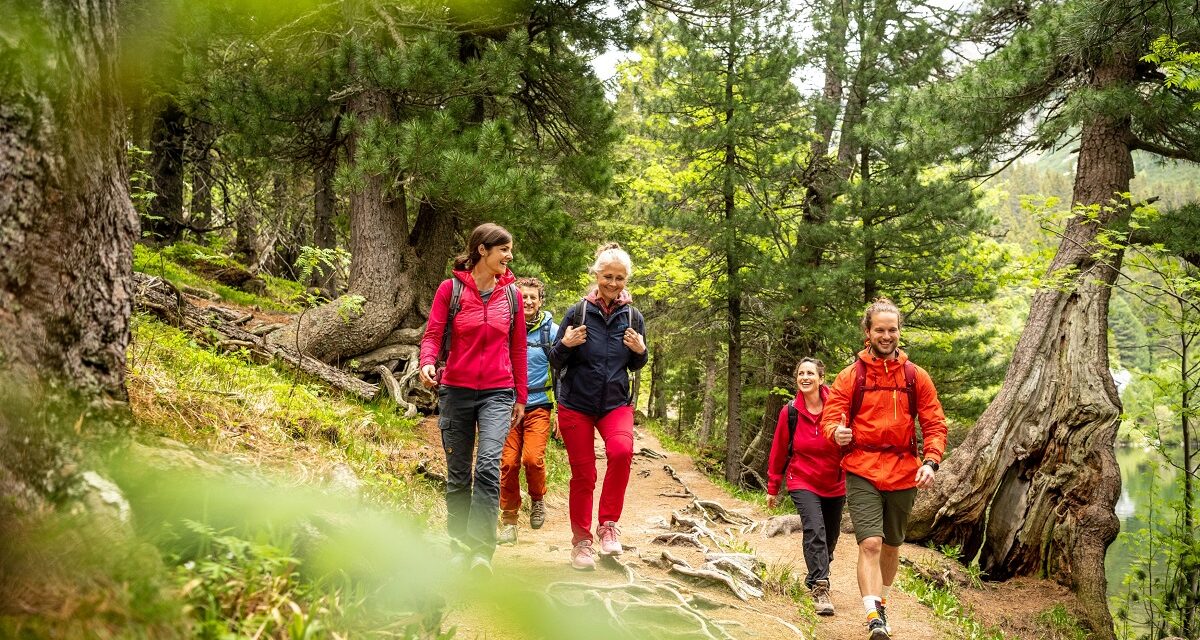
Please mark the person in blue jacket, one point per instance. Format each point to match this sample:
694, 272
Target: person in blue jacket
526, 443
600, 341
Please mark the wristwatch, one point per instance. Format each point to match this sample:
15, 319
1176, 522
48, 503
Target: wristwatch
931, 464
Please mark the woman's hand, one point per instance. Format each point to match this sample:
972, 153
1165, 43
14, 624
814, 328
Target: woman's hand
575, 336
427, 374
772, 501
518, 413
634, 341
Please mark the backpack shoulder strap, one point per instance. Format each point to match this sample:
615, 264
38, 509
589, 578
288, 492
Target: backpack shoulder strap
860, 383
910, 384
456, 289
793, 420
579, 312
511, 293
544, 339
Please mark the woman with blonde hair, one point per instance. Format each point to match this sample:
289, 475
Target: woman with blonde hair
601, 340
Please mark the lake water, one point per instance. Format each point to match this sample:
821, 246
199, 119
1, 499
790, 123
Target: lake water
1142, 476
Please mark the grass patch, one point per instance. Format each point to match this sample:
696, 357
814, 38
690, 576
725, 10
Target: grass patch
169, 263
946, 605
228, 404
1060, 625
783, 579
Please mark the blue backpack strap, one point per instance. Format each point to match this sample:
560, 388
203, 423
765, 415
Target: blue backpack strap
456, 289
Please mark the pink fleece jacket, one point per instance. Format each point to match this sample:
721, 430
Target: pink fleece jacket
815, 463
484, 354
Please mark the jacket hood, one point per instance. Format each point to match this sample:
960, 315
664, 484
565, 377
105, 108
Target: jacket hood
623, 298
503, 280
872, 360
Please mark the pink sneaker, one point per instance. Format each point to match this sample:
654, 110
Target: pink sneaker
583, 557
609, 534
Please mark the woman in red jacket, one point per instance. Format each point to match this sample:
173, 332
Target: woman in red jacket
482, 385
814, 476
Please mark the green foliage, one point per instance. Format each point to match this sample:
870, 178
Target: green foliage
163, 263
946, 605
1182, 67
1060, 624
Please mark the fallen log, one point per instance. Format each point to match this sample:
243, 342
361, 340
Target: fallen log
215, 327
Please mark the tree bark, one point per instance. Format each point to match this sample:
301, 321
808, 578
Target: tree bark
200, 135
1033, 487
324, 233
381, 261
708, 412
67, 226
658, 378
733, 425
166, 169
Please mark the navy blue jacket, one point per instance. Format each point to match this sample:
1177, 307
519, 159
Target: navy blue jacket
594, 377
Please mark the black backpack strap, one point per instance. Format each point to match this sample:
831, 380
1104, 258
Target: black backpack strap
511, 293
456, 289
635, 378
793, 420
910, 385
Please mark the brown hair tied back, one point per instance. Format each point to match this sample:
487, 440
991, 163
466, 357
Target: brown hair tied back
487, 234
806, 360
881, 305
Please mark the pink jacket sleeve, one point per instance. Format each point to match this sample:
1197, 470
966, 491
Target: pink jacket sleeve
431, 343
779, 449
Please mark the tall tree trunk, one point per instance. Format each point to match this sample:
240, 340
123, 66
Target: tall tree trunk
324, 234
67, 229
1033, 486
245, 226
200, 215
658, 376
870, 244
733, 425
167, 139
379, 293
709, 406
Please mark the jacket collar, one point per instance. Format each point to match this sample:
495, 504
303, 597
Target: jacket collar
468, 280
869, 357
623, 299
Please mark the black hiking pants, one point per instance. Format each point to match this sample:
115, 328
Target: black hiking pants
822, 518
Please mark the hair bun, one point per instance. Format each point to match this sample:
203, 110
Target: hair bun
606, 246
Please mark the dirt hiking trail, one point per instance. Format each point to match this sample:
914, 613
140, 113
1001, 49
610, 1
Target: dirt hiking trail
542, 556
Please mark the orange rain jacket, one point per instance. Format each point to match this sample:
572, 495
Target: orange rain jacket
881, 450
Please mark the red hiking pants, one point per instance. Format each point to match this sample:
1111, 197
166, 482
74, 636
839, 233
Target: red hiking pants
578, 434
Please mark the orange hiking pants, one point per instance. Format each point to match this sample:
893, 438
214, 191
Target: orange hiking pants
525, 447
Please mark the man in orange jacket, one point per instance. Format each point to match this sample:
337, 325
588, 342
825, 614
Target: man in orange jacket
871, 412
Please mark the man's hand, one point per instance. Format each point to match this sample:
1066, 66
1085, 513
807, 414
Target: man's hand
925, 474
427, 373
772, 501
518, 414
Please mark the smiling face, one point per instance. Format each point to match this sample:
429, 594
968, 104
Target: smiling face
610, 279
532, 298
808, 378
884, 334
495, 260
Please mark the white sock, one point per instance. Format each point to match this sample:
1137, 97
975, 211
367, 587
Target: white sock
886, 589
869, 603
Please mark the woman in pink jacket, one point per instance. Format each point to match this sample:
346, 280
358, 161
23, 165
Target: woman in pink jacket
814, 477
482, 385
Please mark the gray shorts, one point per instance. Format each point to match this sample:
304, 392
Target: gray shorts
878, 514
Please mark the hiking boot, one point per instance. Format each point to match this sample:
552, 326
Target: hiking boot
583, 557
610, 543
537, 514
820, 597
507, 535
481, 566
879, 606
877, 630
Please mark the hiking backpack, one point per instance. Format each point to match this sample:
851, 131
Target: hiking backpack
544, 342
861, 388
456, 289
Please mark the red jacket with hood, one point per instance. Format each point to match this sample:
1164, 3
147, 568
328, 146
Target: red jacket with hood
484, 354
883, 429
816, 462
